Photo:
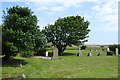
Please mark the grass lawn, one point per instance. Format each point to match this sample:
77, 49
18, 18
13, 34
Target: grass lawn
67, 66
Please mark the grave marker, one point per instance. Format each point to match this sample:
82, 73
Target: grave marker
98, 54
46, 54
79, 54
116, 51
55, 53
108, 49
89, 54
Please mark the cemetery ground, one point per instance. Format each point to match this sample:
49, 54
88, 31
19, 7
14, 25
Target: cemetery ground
67, 66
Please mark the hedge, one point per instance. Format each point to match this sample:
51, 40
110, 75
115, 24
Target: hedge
113, 47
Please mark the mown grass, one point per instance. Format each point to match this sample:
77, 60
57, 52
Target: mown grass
67, 66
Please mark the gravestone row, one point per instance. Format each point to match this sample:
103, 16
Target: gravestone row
89, 54
55, 53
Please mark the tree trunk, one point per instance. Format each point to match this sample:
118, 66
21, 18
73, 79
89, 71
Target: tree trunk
61, 50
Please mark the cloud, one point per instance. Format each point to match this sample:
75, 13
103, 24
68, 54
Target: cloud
49, 7
65, 3
107, 14
57, 8
106, 11
41, 8
59, 0
27, 3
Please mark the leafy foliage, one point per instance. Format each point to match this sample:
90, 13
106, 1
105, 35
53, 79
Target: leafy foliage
20, 31
83, 47
0, 39
67, 31
27, 54
110, 53
113, 47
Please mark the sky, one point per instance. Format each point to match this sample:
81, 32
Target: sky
102, 14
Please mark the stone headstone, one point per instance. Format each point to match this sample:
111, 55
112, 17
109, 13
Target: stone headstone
55, 53
20, 65
79, 54
116, 51
46, 54
23, 75
89, 54
98, 54
108, 49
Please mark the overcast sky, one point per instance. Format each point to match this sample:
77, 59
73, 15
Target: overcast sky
103, 15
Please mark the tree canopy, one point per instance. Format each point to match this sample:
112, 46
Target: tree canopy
20, 31
66, 31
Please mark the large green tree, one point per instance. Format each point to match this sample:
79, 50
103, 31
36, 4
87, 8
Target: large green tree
66, 31
20, 32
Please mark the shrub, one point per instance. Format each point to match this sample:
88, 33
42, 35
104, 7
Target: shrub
113, 47
110, 53
8, 49
41, 52
101, 46
27, 54
83, 47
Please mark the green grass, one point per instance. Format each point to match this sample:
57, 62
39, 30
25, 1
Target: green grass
67, 66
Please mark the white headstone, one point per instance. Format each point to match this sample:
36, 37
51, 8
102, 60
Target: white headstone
23, 75
20, 65
116, 51
90, 54
80, 55
108, 49
46, 54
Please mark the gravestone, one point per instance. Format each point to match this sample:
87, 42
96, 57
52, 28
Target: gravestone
46, 54
20, 65
116, 51
98, 54
79, 54
108, 49
89, 54
55, 53
23, 75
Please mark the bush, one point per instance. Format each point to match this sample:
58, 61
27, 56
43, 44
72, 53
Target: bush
8, 49
83, 47
113, 47
41, 52
101, 46
110, 53
27, 54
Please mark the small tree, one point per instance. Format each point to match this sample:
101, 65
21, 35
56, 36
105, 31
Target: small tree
66, 31
20, 32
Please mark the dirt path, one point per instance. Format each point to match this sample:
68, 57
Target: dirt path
42, 57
